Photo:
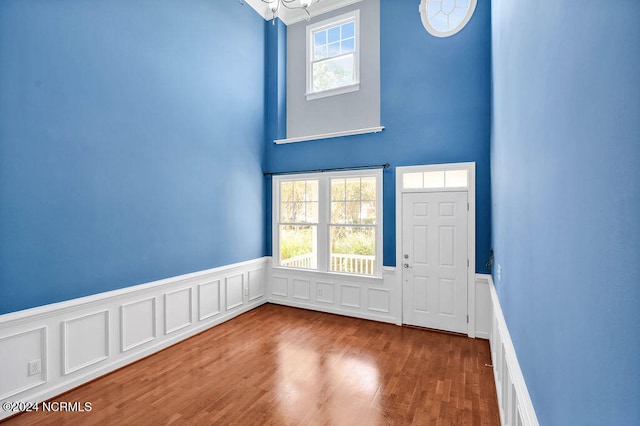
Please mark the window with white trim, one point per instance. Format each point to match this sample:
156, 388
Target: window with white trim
333, 56
444, 18
329, 222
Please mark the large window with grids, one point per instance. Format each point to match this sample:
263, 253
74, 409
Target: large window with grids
333, 56
330, 222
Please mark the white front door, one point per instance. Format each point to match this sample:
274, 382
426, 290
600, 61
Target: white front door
434, 260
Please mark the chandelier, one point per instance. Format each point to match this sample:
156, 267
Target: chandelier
275, 6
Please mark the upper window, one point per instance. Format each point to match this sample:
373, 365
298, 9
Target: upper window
443, 18
333, 56
329, 222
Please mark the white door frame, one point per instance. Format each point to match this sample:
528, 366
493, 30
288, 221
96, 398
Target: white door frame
471, 227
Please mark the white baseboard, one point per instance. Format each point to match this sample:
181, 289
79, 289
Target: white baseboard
81, 339
516, 408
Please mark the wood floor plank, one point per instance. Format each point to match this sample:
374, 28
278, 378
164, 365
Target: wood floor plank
283, 366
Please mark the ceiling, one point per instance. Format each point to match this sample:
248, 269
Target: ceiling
292, 16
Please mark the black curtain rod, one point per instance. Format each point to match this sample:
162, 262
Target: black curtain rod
333, 169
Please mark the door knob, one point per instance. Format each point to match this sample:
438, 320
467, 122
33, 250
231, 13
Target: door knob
406, 265
406, 256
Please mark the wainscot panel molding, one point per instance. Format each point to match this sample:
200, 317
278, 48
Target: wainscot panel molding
137, 323
483, 307
85, 341
178, 312
64, 345
256, 287
373, 298
208, 299
235, 291
14, 349
370, 298
516, 408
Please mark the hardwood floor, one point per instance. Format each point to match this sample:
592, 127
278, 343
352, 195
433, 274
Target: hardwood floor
284, 366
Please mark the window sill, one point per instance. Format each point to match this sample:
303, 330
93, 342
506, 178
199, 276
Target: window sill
332, 92
370, 279
377, 129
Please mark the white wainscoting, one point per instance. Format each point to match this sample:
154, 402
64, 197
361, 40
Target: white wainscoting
516, 408
138, 323
234, 287
81, 339
85, 341
483, 314
256, 286
375, 299
15, 348
378, 299
178, 312
208, 299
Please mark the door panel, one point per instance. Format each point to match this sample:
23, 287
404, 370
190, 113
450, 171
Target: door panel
420, 253
434, 269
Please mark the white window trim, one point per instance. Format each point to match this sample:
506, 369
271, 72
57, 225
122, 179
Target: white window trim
337, 20
426, 22
324, 213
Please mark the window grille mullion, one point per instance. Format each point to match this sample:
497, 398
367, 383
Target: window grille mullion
324, 211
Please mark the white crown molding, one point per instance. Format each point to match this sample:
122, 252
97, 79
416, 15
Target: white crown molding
294, 16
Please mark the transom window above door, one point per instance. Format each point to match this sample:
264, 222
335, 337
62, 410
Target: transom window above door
439, 179
329, 222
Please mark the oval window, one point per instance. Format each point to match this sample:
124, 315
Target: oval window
444, 18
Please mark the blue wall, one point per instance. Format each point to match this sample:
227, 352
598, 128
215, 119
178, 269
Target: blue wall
436, 106
131, 143
566, 203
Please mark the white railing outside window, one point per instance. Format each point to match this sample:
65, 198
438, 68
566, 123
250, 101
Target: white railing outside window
302, 261
349, 263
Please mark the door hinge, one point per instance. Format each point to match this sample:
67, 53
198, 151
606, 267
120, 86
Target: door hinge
467, 206
467, 319
468, 263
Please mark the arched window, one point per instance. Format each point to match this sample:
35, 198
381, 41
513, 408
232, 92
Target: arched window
444, 18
